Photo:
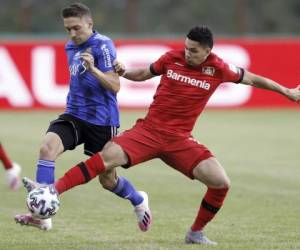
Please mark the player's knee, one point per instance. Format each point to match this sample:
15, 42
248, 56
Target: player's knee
113, 155
47, 152
226, 183
108, 182
223, 183
220, 182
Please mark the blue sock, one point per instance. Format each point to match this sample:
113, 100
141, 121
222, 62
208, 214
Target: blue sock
126, 190
45, 171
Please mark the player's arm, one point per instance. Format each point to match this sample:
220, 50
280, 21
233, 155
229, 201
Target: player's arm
109, 80
266, 83
140, 74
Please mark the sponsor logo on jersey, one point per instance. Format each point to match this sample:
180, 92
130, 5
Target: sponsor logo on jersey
208, 70
106, 56
186, 79
78, 67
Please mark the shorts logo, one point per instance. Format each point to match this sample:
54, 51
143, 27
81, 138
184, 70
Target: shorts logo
194, 140
208, 71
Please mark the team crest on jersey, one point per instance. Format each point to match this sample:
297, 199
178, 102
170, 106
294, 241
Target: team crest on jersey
76, 56
88, 50
208, 70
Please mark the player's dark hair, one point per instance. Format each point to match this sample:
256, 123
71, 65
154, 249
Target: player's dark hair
76, 10
202, 35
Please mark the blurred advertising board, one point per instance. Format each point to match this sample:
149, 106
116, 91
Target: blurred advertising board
34, 74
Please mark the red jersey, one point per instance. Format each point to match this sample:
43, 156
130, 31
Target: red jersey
184, 90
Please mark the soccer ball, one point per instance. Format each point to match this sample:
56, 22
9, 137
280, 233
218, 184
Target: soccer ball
43, 202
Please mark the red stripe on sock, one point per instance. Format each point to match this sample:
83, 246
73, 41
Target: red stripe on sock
214, 197
72, 178
7, 163
75, 177
95, 165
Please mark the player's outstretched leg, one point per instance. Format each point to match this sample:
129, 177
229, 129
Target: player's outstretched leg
28, 219
197, 237
12, 176
143, 212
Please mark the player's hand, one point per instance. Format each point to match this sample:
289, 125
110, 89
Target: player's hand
119, 68
294, 94
88, 60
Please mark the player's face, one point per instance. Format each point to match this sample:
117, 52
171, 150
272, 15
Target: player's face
195, 54
79, 29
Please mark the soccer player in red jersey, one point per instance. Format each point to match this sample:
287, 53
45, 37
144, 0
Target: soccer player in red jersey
188, 78
12, 169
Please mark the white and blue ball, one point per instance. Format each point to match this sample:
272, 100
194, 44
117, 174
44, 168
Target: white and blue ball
43, 202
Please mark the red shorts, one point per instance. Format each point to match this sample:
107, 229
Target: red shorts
142, 144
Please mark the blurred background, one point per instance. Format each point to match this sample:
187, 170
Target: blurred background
159, 18
256, 35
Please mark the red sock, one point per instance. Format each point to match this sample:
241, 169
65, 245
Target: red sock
80, 174
211, 203
4, 158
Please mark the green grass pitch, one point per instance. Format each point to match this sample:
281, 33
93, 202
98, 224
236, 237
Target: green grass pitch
260, 151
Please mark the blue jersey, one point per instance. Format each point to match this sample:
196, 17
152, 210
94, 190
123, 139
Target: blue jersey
87, 99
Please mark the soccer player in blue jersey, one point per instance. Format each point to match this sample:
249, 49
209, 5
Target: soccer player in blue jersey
91, 116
